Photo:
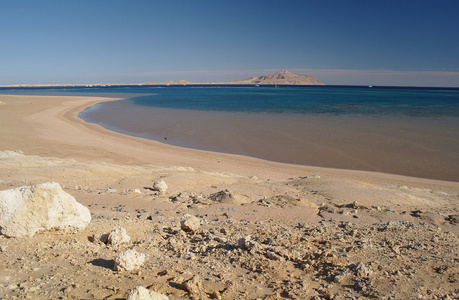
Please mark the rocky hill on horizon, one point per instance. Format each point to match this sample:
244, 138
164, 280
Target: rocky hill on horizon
281, 77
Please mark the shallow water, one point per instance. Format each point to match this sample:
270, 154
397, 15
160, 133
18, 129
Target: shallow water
422, 143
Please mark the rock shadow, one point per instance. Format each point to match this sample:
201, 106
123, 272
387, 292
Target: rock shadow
104, 263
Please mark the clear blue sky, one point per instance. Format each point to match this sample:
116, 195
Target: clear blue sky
338, 42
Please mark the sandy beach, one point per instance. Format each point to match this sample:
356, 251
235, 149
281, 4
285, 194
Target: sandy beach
315, 232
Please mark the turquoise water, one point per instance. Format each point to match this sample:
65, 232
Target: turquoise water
319, 100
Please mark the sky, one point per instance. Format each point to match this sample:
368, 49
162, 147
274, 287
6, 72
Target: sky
410, 43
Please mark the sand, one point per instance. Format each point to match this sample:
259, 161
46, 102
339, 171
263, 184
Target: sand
298, 210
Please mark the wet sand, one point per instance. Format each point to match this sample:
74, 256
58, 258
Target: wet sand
414, 146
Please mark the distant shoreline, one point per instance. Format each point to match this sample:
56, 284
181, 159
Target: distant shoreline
142, 85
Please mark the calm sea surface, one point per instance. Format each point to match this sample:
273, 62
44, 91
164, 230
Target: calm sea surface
318, 100
410, 131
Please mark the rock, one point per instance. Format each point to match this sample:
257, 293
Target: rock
141, 293
248, 244
30, 209
222, 197
190, 223
273, 256
194, 287
160, 186
129, 260
339, 278
100, 237
362, 270
118, 236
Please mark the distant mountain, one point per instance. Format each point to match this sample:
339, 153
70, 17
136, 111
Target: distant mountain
281, 77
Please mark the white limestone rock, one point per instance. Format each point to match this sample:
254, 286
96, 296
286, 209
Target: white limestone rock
141, 293
118, 236
190, 223
160, 186
129, 260
27, 210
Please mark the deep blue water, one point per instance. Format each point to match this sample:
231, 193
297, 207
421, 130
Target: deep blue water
429, 102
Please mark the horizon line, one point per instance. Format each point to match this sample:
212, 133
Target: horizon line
333, 74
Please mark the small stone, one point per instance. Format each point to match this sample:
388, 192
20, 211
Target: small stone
141, 293
362, 270
194, 287
190, 223
248, 244
100, 237
118, 236
340, 277
216, 295
129, 260
160, 186
378, 208
273, 256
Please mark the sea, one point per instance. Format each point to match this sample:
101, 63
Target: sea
411, 131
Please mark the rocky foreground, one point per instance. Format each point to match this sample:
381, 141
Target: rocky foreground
228, 259
223, 236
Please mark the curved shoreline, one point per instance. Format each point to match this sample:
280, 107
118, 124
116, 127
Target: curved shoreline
409, 146
199, 162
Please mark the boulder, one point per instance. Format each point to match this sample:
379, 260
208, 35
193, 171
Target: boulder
129, 260
160, 186
27, 210
141, 293
190, 223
